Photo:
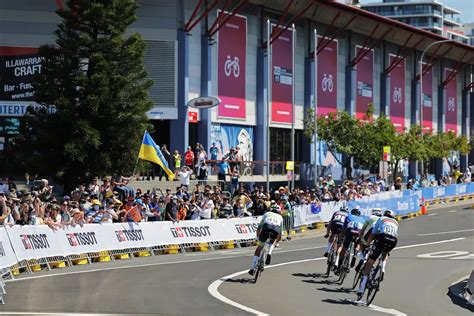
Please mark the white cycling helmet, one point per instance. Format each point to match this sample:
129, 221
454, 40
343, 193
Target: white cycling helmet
389, 213
377, 212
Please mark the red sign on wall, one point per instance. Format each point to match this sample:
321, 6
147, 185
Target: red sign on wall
451, 103
326, 83
397, 94
282, 81
365, 83
427, 101
231, 70
192, 117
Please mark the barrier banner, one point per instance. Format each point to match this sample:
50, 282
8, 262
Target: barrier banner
282, 81
365, 82
34, 242
326, 83
428, 101
231, 69
7, 255
313, 213
397, 94
451, 103
77, 240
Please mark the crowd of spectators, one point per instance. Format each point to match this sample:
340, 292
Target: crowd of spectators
112, 199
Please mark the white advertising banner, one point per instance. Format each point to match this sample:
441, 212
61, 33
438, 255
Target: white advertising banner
34, 242
7, 256
77, 240
312, 213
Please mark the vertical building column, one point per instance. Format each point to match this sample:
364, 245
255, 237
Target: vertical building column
179, 137
351, 90
205, 121
441, 114
261, 127
308, 146
465, 118
415, 114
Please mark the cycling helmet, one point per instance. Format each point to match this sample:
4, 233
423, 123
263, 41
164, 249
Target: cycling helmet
377, 212
344, 209
355, 211
275, 208
389, 213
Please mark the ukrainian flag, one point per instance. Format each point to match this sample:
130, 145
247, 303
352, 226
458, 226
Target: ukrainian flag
151, 151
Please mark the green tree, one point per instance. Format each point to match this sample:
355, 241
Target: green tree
95, 78
440, 145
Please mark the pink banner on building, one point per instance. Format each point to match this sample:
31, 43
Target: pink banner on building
428, 101
231, 58
282, 81
397, 94
451, 103
326, 83
365, 83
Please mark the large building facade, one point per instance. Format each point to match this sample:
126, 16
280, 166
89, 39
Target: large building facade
430, 15
361, 58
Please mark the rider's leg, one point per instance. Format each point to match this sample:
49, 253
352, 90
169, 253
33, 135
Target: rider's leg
368, 267
256, 256
330, 240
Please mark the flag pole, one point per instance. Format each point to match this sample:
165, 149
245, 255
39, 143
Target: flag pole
138, 157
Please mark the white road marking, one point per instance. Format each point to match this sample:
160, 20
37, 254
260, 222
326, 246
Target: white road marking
442, 254
453, 211
448, 232
65, 314
390, 311
248, 254
432, 214
214, 286
466, 257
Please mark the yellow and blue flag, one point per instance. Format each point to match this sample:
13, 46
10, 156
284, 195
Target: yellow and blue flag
150, 151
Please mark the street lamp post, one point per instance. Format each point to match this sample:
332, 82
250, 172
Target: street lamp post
421, 85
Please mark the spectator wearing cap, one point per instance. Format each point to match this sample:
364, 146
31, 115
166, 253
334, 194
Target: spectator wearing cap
131, 211
157, 208
207, 210
92, 211
171, 212
330, 181
223, 170
225, 209
185, 176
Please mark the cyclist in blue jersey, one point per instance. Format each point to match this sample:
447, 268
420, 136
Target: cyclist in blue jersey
352, 226
335, 227
270, 228
384, 235
365, 232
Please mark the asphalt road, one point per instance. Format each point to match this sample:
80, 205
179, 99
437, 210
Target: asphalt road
178, 284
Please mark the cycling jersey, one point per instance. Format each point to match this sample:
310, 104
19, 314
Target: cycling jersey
354, 223
370, 221
386, 226
339, 217
272, 219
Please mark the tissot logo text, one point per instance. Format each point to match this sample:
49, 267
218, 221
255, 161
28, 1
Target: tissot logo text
35, 241
82, 239
246, 228
129, 235
197, 231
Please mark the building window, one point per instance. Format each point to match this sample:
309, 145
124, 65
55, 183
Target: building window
280, 144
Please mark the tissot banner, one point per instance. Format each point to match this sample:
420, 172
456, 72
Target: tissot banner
428, 101
451, 101
327, 79
282, 81
397, 94
18, 65
365, 82
232, 51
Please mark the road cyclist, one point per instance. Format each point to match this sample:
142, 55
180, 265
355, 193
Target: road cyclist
384, 235
352, 226
335, 228
365, 232
270, 229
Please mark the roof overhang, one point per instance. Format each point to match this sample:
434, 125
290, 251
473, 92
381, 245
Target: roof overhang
366, 21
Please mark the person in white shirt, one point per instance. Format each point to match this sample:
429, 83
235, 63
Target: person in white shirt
185, 176
207, 210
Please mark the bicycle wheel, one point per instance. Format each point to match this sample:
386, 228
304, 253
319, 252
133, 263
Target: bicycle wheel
330, 262
344, 269
374, 286
357, 278
258, 270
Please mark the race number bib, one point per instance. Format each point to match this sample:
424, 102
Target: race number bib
390, 230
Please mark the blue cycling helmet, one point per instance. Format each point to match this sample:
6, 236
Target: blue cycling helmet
355, 211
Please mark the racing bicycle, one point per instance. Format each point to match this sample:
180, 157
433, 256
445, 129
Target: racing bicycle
261, 261
331, 262
345, 267
375, 278
359, 271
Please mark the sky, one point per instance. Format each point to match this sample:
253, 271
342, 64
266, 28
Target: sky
465, 6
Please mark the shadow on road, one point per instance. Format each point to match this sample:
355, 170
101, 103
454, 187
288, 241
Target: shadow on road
345, 301
309, 275
242, 280
338, 290
319, 281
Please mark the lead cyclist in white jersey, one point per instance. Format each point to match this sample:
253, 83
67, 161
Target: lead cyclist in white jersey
270, 228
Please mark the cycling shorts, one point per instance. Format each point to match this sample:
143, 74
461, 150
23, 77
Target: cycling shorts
382, 244
366, 236
349, 236
268, 232
336, 228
